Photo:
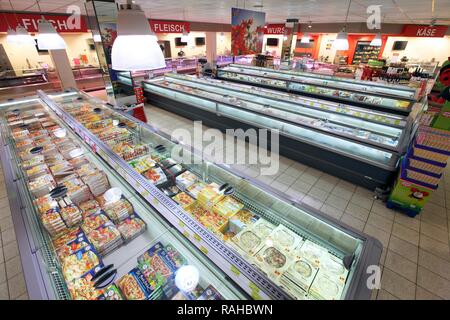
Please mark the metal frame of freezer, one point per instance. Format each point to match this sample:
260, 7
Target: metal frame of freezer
252, 281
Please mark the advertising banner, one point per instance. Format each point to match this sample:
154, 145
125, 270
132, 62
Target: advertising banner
62, 23
247, 31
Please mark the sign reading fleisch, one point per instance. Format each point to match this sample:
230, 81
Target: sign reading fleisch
412, 30
62, 23
161, 26
274, 29
247, 31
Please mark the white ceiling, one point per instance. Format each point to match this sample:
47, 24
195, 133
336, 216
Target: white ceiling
393, 11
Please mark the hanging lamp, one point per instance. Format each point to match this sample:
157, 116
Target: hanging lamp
11, 36
48, 38
305, 38
341, 42
135, 48
185, 35
22, 36
376, 42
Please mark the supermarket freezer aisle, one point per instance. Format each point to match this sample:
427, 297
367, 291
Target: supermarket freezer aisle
12, 281
415, 262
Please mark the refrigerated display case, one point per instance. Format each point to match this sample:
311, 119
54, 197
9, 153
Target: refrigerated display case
272, 246
389, 98
359, 145
73, 236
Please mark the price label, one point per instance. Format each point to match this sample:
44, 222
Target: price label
186, 234
181, 224
197, 237
255, 296
204, 250
235, 270
145, 193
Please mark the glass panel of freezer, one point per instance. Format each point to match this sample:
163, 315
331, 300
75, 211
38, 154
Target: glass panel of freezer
300, 127
343, 83
85, 219
302, 252
354, 127
288, 82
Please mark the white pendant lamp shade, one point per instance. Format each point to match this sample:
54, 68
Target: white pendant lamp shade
11, 36
23, 38
153, 34
185, 36
135, 48
97, 38
376, 42
305, 38
341, 42
48, 38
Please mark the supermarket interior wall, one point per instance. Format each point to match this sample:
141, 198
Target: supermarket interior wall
420, 49
276, 51
77, 44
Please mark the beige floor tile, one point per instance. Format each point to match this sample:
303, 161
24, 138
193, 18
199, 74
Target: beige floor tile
13, 267
23, 296
401, 265
309, 178
362, 201
342, 192
4, 202
433, 283
397, 285
377, 233
434, 232
423, 294
404, 248
2, 258
10, 250
326, 183
301, 186
332, 211
5, 212
384, 295
434, 264
434, 209
435, 221
357, 211
297, 195
8, 236
3, 277
318, 194
435, 247
346, 185
405, 233
17, 286
6, 223
353, 222
404, 220
4, 294
380, 222
337, 202
286, 179
277, 185
380, 208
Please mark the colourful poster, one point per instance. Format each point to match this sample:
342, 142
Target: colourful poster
247, 31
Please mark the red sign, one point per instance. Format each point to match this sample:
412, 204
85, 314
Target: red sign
274, 29
62, 23
412, 30
161, 26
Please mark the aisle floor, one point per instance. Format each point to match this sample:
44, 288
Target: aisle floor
415, 261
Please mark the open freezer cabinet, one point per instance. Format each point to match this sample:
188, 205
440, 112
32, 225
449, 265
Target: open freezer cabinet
355, 144
394, 99
273, 247
82, 230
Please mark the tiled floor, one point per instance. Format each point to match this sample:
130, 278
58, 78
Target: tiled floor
416, 255
12, 282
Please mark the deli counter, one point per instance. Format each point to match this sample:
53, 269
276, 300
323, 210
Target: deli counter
251, 241
395, 99
356, 144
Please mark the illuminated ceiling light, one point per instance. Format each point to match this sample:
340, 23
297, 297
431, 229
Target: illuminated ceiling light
341, 42
48, 38
11, 37
376, 42
185, 36
135, 48
305, 38
23, 38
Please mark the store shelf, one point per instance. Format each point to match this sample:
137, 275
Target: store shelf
337, 240
396, 99
327, 141
43, 268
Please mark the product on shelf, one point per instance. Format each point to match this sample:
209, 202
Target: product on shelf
78, 264
105, 238
133, 285
131, 227
186, 179
183, 199
155, 175
118, 210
